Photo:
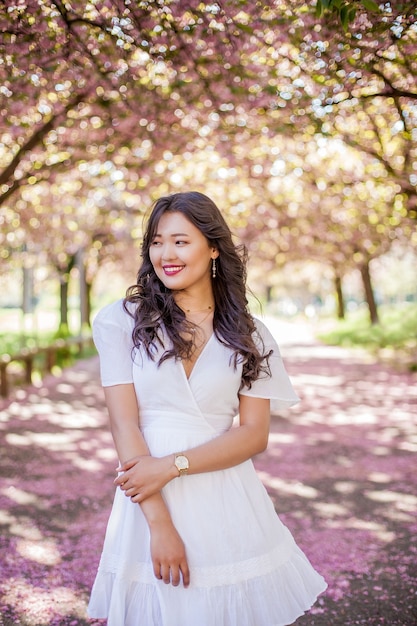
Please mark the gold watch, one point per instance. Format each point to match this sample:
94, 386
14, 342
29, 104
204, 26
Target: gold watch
181, 463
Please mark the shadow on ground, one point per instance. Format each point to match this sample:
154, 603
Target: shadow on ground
340, 469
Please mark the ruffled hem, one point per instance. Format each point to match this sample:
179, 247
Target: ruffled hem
274, 599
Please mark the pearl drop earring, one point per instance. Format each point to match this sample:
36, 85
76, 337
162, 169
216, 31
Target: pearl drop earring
213, 268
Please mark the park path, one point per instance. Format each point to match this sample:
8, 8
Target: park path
340, 468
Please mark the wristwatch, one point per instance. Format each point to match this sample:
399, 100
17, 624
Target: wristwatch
181, 463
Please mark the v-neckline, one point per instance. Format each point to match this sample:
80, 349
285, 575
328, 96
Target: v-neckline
196, 361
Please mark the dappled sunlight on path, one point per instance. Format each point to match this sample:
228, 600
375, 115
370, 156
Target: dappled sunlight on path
57, 465
340, 468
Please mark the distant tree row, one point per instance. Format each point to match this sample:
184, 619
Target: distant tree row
301, 121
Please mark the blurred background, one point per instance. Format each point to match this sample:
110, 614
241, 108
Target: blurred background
298, 119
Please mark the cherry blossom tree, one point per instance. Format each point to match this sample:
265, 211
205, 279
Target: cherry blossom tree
364, 86
136, 88
316, 200
109, 82
110, 75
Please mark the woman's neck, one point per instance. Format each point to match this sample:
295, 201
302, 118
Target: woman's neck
195, 304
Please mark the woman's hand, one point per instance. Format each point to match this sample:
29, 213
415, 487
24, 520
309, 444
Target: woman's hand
144, 476
168, 554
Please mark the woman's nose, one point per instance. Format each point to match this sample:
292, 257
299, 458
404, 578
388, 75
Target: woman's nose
168, 252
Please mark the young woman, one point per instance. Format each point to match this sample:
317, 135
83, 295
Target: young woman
193, 538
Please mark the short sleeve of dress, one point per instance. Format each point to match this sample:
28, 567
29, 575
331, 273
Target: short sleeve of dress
278, 386
112, 335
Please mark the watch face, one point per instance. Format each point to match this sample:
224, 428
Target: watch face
181, 462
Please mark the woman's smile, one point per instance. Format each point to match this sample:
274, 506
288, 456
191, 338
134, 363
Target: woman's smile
171, 270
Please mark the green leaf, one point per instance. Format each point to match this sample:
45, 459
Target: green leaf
244, 27
370, 5
319, 9
344, 17
352, 14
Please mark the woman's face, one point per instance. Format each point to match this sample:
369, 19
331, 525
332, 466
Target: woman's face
180, 253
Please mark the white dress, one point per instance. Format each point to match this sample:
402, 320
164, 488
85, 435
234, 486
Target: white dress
245, 567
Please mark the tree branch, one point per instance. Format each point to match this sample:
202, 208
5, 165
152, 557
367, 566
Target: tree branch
36, 138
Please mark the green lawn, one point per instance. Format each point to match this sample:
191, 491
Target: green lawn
12, 342
16, 333
14, 339
396, 332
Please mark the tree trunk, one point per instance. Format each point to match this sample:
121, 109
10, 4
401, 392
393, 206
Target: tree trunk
64, 289
369, 293
339, 297
63, 294
88, 290
83, 291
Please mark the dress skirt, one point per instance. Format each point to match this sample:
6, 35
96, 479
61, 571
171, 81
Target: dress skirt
245, 567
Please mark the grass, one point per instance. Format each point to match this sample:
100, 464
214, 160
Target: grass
396, 333
14, 341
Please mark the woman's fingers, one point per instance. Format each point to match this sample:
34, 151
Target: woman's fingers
169, 557
185, 573
135, 493
166, 573
157, 570
175, 575
172, 573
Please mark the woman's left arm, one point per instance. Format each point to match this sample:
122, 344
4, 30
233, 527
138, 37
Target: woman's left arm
147, 475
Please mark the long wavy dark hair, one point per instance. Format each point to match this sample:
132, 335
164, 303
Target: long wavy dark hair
155, 304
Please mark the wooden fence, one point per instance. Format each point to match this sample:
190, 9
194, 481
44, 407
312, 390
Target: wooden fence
27, 357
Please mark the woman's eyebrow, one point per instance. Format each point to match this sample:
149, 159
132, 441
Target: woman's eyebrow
173, 235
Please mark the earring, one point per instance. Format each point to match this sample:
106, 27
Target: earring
213, 268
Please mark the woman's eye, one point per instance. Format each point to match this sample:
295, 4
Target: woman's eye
180, 243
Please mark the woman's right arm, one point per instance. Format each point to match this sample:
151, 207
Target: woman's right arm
167, 548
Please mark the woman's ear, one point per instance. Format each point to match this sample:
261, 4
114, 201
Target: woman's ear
214, 253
